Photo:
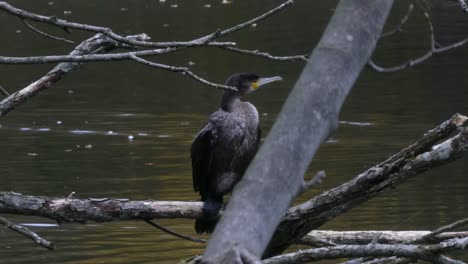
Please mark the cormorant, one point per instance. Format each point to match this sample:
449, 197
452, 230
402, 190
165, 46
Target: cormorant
224, 148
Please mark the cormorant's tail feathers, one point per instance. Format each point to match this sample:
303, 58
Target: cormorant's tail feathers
205, 225
208, 221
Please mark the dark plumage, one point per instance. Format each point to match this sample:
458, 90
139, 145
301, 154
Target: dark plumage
224, 148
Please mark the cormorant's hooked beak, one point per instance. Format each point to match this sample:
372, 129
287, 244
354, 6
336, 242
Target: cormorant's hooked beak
263, 81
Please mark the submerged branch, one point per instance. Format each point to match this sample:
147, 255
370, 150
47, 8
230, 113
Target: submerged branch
27, 233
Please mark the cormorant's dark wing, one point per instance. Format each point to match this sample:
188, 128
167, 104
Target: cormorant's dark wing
201, 153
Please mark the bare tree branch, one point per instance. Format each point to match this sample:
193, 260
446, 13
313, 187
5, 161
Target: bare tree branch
27, 233
183, 70
206, 40
174, 233
399, 28
42, 33
98, 43
166, 47
415, 61
5, 92
442, 229
317, 179
267, 55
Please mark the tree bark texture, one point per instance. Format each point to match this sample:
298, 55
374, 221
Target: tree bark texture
309, 115
99, 210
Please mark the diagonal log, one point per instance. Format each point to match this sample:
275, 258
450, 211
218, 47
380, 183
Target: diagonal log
421, 156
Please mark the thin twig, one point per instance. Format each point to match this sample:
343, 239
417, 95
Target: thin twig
46, 34
108, 31
174, 233
84, 58
314, 181
442, 229
5, 92
27, 233
183, 70
412, 62
267, 55
257, 19
399, 28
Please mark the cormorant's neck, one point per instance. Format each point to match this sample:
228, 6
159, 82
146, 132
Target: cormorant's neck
230, 99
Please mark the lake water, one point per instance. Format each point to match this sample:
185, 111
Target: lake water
74, 137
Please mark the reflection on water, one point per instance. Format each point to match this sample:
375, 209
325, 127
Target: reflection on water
124, 130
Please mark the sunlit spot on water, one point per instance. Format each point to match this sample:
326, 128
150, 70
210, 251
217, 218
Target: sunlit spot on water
43, 129
331, 140
125, 114
39, 224
82, 132
352, 123
25, 129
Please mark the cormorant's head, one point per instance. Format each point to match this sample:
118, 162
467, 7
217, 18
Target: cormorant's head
248, 82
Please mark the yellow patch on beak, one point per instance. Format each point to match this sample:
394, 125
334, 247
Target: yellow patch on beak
255, 85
